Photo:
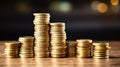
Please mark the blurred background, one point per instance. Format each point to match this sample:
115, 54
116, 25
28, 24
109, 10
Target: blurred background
94, 19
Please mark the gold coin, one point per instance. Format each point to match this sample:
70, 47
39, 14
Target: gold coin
83, 48
40, 18
97, 57
57, 44
83, 56
54, 38
11, 49
26, 52
101, 44
101, 48
58, 47
57, 32
41, 51
71, 43
42, 55
26, 56
58, 55
57, 41
42, 22
84, 40
41, 45
101, 51
38, 48
12, 43
26, 39
101, 54
12, 56
58, 52
83, 51
84, 44
41, 14
58, 35
45, 34
57, 28
57, 24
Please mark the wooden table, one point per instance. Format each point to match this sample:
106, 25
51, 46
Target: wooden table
114, 60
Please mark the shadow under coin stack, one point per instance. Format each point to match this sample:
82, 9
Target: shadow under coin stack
71, 49
101, 50
12, 49
41, 34
84, 48
58, 39
27, 44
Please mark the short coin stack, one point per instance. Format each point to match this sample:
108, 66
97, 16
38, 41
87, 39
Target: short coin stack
83, 48
41, 34
101, 50
71, 49
12, 49
27, 44
58, 39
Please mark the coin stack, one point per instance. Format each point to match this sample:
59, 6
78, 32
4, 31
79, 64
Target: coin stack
101, 50
71, 49
58, 39
26, 49
41, 34
12, 49
84, 48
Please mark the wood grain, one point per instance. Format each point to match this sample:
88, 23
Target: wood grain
114, 60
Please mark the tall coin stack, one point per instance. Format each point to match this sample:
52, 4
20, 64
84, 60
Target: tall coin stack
12, 49
101, 50
41, 34
27, 45
71, 49
58, 39
84, 48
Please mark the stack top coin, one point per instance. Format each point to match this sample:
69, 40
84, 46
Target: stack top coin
12, 42
71, 43
26, 38
57, 24
101, 44
84, 40
42, 14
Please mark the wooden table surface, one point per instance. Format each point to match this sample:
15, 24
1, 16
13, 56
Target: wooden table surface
113, 61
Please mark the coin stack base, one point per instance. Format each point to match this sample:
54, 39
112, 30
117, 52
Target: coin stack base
41, 34
27, 44
58, 40
12, 49
101, 50
83, 49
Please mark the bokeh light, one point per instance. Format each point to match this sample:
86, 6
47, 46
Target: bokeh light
114, 2
102, 8
61, 6
23, 7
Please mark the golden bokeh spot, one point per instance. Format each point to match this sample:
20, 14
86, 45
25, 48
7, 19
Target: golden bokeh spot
102, 8
114, 2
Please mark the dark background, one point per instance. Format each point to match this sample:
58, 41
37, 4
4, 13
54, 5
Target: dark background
16, 19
